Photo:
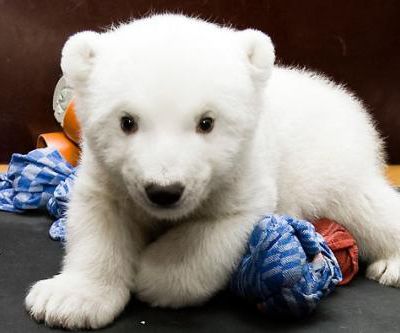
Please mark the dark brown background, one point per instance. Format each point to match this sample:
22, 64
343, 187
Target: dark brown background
355, 42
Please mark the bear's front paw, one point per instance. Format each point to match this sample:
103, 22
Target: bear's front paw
152, 286
72, 302
385, 271
163, 284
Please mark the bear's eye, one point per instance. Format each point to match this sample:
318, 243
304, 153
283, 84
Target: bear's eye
128, 124
205, 125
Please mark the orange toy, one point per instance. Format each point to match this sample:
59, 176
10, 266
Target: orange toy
66, 142
68, 149
71, 125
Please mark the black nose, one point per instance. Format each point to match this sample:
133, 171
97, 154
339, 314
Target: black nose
164, 195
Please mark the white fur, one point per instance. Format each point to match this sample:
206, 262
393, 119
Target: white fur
285, 141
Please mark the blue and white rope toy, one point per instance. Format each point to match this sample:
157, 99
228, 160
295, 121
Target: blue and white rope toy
287, 268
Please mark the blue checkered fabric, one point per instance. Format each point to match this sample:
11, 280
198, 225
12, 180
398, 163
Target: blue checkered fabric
39, 180
287, 268
57, 230
57, 207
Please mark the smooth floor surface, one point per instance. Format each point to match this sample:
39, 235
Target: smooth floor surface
27, 255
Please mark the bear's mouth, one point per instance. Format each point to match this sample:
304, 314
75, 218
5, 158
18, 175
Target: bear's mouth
165, 206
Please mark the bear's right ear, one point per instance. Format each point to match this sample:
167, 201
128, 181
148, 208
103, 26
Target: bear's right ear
260, 52
78, 57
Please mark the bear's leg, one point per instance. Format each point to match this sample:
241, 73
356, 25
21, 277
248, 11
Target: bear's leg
192, 261
99, 267
371, 212
385, 258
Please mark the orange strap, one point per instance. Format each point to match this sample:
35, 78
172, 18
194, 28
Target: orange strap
68, 149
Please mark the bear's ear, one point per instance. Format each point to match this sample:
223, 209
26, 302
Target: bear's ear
77, 58
260, 52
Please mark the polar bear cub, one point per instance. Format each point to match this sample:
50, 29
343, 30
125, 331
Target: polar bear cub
189, 134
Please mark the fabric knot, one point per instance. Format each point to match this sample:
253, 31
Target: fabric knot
287, 267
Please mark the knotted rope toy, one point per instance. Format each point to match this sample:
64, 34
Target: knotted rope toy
287, 267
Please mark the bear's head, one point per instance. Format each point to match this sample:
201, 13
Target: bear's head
169, 104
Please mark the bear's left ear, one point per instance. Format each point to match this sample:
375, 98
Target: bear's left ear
260, 52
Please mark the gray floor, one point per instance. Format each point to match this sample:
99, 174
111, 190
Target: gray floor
27, 255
